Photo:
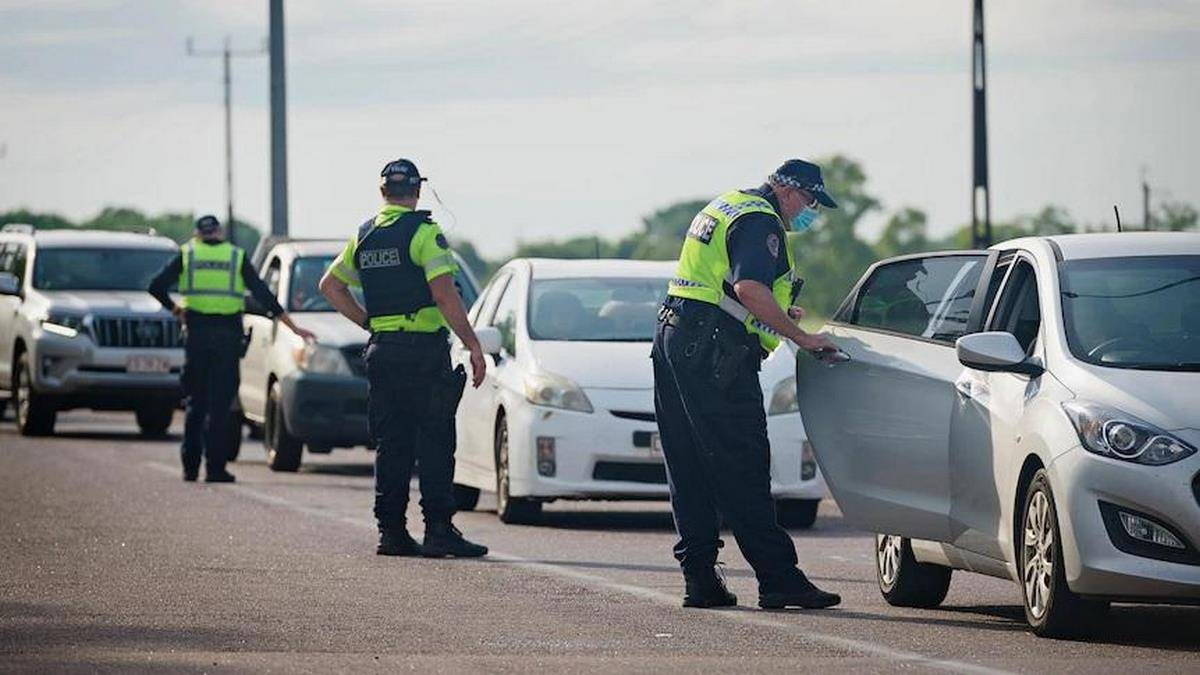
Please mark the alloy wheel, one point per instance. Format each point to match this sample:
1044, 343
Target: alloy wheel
888, 550
1038, 554
23, 394
502, 467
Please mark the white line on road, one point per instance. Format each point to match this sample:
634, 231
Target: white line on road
648, 594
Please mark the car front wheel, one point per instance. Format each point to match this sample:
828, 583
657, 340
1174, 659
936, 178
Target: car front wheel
154, 419
903, 580
35, 415
513, 510
466, 498
1051, 608
284, 450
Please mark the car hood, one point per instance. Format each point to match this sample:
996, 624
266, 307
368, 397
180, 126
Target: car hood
331, 328
101, 302
603, 365
1169, 400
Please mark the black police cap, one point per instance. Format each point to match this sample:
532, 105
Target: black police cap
806, 176
207, 224
401, 171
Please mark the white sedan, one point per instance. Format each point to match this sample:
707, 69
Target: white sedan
567, 408
1031, 412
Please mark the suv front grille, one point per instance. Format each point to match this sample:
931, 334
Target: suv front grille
109, 331
354, 358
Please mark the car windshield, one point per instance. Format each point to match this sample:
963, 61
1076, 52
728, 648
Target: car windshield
1141, 312
97, 269
601, 309
304, 296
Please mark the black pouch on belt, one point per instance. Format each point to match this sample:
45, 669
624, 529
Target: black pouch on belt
447, 392
249, 334
731, 352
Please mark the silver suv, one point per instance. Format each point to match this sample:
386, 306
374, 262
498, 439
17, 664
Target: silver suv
79, 330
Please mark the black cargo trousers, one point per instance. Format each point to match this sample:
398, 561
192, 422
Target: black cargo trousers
212, 350
404, 371
713, 427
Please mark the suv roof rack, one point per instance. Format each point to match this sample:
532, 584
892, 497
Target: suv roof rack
18, 228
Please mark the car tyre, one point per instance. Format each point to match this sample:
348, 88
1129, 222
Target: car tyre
35, 414
466, 498
284, 450
1051, 608
154, 419
797, 513
512, 510
903, 580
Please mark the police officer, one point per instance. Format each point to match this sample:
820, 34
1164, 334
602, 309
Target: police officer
402, 262
728, 306
213, 276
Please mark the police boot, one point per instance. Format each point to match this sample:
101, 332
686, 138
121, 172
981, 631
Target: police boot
443, 540
796, 591
397, 542
221, 476
706, 588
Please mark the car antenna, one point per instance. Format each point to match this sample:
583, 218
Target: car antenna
1118, 213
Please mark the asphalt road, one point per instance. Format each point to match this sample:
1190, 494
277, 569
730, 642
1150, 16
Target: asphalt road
110, 562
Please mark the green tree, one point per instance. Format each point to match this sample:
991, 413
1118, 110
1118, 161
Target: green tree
1176, 217
905, 232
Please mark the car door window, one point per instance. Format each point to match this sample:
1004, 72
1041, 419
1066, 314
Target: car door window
923, 297
481, 311
1017, 308
18, 261
506, 318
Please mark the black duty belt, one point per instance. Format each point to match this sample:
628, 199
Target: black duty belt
400, 337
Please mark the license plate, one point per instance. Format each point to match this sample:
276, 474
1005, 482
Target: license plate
655, 445
148, 364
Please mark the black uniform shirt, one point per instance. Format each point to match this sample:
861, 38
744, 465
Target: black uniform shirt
160, 286
757, 251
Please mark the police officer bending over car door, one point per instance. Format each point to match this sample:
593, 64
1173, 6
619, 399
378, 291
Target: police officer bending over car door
728, 306
213, 276
406, 271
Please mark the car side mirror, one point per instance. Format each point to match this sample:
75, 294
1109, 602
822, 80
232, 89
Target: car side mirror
490, 339
253, 306
996, 351
9, 284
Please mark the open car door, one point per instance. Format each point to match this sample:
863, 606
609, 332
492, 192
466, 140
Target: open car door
879, 423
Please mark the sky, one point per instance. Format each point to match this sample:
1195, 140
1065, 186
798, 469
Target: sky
551, 119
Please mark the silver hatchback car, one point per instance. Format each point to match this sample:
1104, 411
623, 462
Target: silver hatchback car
1030, 412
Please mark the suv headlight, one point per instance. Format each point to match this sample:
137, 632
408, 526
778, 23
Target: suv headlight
783, 399
556, 391
63, 323
1109, 432
316, 358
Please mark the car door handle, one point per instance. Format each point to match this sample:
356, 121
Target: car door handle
971, 388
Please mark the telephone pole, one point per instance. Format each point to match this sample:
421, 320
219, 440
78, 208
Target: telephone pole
279, 203
1147, 220
226, 53
981, 198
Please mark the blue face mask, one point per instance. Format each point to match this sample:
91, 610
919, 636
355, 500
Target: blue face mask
804, 220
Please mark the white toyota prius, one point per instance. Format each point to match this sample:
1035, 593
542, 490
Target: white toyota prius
1031, 412
567, 408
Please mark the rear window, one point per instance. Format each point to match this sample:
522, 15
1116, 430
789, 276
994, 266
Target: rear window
923, 297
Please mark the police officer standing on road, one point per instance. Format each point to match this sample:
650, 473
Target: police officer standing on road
728, 306
213, 276
402, 262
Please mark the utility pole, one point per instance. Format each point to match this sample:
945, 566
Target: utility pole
279, 202
981, 198
1147, 220
226, 53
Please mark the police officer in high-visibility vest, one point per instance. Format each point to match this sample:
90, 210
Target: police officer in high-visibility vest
728, 306
212, 276
403, 263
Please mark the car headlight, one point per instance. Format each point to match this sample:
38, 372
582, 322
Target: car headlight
63, 323
556, 391
1109, 432
316, 358
783, 399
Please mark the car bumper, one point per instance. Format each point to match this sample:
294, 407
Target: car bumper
74, 371
329, 410
1094, 563
599, 455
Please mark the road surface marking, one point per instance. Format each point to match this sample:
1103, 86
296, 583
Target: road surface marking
752, 618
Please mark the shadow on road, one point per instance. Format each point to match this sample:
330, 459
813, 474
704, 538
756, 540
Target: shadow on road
667, 569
